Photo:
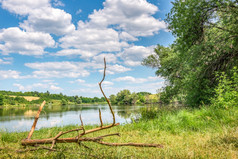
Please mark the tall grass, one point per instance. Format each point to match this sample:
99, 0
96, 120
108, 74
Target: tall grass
185, 119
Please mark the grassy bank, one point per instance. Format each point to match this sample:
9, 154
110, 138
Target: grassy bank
195, 133
51, 103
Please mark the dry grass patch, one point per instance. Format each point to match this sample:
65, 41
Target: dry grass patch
28, 98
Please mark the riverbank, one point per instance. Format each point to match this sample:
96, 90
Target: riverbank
52, 103
185, 133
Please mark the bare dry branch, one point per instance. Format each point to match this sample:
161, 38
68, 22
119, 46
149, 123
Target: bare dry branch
81, 144
100, 85
130, 144
100, 117
82, 124
35, 121
53, 143
78, 139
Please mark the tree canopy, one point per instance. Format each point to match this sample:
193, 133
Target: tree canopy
125, 97
206, 42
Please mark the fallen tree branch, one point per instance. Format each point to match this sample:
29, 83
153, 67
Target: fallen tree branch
35, 121
79, 138
33, 142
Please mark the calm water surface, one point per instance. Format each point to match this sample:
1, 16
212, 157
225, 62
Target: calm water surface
21, 119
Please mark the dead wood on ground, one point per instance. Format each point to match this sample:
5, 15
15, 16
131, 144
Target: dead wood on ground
81, 131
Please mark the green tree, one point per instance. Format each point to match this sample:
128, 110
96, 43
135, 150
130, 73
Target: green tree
64, 102
123, 97
141, 99
143, 93
78, 100
112, 99
20, 100
206, 42
133, 98
1, 99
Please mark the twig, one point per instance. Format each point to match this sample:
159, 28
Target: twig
53, 143
100, 85
46, 148
62, 133
35, 121
100, 117
81, 144
129, 144
82, 124
109, 135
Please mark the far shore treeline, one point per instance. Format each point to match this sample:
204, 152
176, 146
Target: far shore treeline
19, 98
124, 97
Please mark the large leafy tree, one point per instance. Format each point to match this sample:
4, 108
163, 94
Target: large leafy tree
206, 34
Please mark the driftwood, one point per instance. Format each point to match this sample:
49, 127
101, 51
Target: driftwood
81, 131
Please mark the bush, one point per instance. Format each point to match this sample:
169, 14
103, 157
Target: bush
64, 102
226, 93
148, 113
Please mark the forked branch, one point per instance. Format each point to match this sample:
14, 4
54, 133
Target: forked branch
81, 131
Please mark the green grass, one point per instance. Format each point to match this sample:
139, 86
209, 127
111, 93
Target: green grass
185, 133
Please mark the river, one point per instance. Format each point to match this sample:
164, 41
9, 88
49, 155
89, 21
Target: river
20, 119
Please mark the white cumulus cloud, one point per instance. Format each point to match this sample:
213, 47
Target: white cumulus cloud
34, 86
110, 58
58, 3
8, 74
132, 16
57, 70
131, 79
112, 69
41, 16
49, 20
15, 40
91, 41
68, 69
23, 7
133, 55
6, 61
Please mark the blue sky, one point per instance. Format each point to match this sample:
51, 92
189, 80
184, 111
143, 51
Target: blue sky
59, 45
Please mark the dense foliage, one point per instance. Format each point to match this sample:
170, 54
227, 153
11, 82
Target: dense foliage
206, 43
125, 97
1, 99
226, 93
13, 98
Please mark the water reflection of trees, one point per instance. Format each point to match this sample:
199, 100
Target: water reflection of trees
18, 113
127, 111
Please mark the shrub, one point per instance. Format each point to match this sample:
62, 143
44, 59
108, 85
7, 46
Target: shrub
226, 93
149, 113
